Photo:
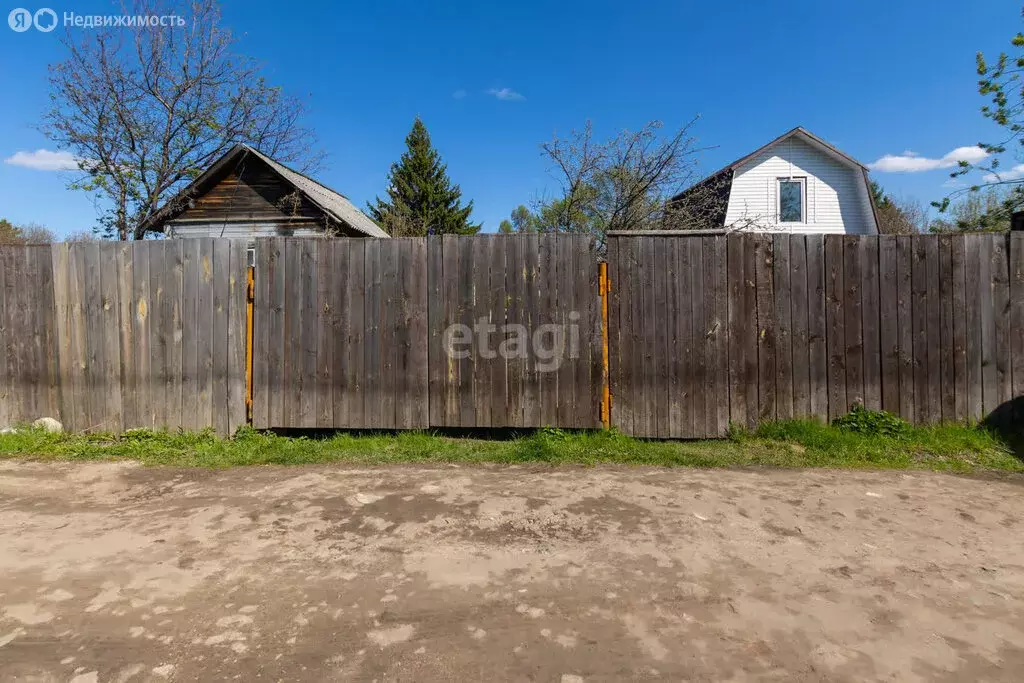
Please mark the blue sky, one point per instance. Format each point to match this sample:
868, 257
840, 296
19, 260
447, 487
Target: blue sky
873, 78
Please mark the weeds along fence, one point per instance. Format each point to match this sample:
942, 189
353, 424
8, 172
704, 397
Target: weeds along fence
511, 331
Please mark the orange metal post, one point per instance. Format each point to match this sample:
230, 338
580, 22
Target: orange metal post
606, 394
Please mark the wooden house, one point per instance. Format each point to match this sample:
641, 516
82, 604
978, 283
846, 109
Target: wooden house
247, 194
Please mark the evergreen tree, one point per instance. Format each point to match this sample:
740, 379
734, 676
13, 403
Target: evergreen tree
421, 198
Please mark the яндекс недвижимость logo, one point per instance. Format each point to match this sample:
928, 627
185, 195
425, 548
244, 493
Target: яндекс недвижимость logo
21, 20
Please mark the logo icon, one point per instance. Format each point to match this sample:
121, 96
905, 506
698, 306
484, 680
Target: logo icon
46, 20
20, 19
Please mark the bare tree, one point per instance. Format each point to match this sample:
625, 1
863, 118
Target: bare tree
145, 109
621, 184
28, 233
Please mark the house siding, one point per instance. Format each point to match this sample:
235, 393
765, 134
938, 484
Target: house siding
837, 197
241, 229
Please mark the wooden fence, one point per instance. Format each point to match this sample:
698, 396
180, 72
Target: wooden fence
506, 331
112, 336
351, 333
711, 330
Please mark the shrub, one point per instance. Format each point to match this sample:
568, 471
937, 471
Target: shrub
872, 422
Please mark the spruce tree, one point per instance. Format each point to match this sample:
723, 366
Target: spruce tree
421, 198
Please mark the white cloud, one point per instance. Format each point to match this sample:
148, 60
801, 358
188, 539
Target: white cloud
911, 162
459, 94
507, 94
1012, 173
44, 160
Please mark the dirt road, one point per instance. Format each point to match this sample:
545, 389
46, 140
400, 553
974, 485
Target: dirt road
114, 572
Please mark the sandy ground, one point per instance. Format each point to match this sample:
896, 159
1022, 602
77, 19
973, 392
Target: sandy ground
114, 572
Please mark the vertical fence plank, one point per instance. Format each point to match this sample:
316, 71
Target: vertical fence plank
58, 254
933, 377
817, 329
712, 335
697, 297
221, 260
527, 298
766, 351
1016, 270
6, 333
278, 274
130, 386
372, 361
919, 314
870, 316
205, 336
483, 340
416, 365
986, 301
339, 299
853, 257
835, 320
579, 322
675, 380
958, 257
783, 303
946, 342
237, 285
737, 402
46, 301
308, 319
722, 333
175, 351
623, 403
750, 337
450, 317
905, 323
1003, 388
190, 333
800, 326
888, 322
326, 310
467, 360
563, 371
517, 311
357, 337
684, 324
975, 398
435, 355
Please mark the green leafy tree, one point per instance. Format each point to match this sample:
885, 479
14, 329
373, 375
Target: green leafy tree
520, 221
421, 198
1001, 85
981, 211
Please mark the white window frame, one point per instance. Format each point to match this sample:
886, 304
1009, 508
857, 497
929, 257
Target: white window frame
803, 198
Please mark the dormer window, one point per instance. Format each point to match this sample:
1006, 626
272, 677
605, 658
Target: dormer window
792, 196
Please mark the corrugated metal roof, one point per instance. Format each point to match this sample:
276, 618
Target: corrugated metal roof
327, 199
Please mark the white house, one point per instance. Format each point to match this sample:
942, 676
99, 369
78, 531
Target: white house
796, 183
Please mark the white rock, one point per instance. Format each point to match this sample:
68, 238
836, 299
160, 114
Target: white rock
49, 424
8, 430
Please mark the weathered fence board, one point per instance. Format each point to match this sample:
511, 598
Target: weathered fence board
115, 336
505, 331
929, 327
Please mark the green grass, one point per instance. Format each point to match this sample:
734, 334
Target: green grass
782, 444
